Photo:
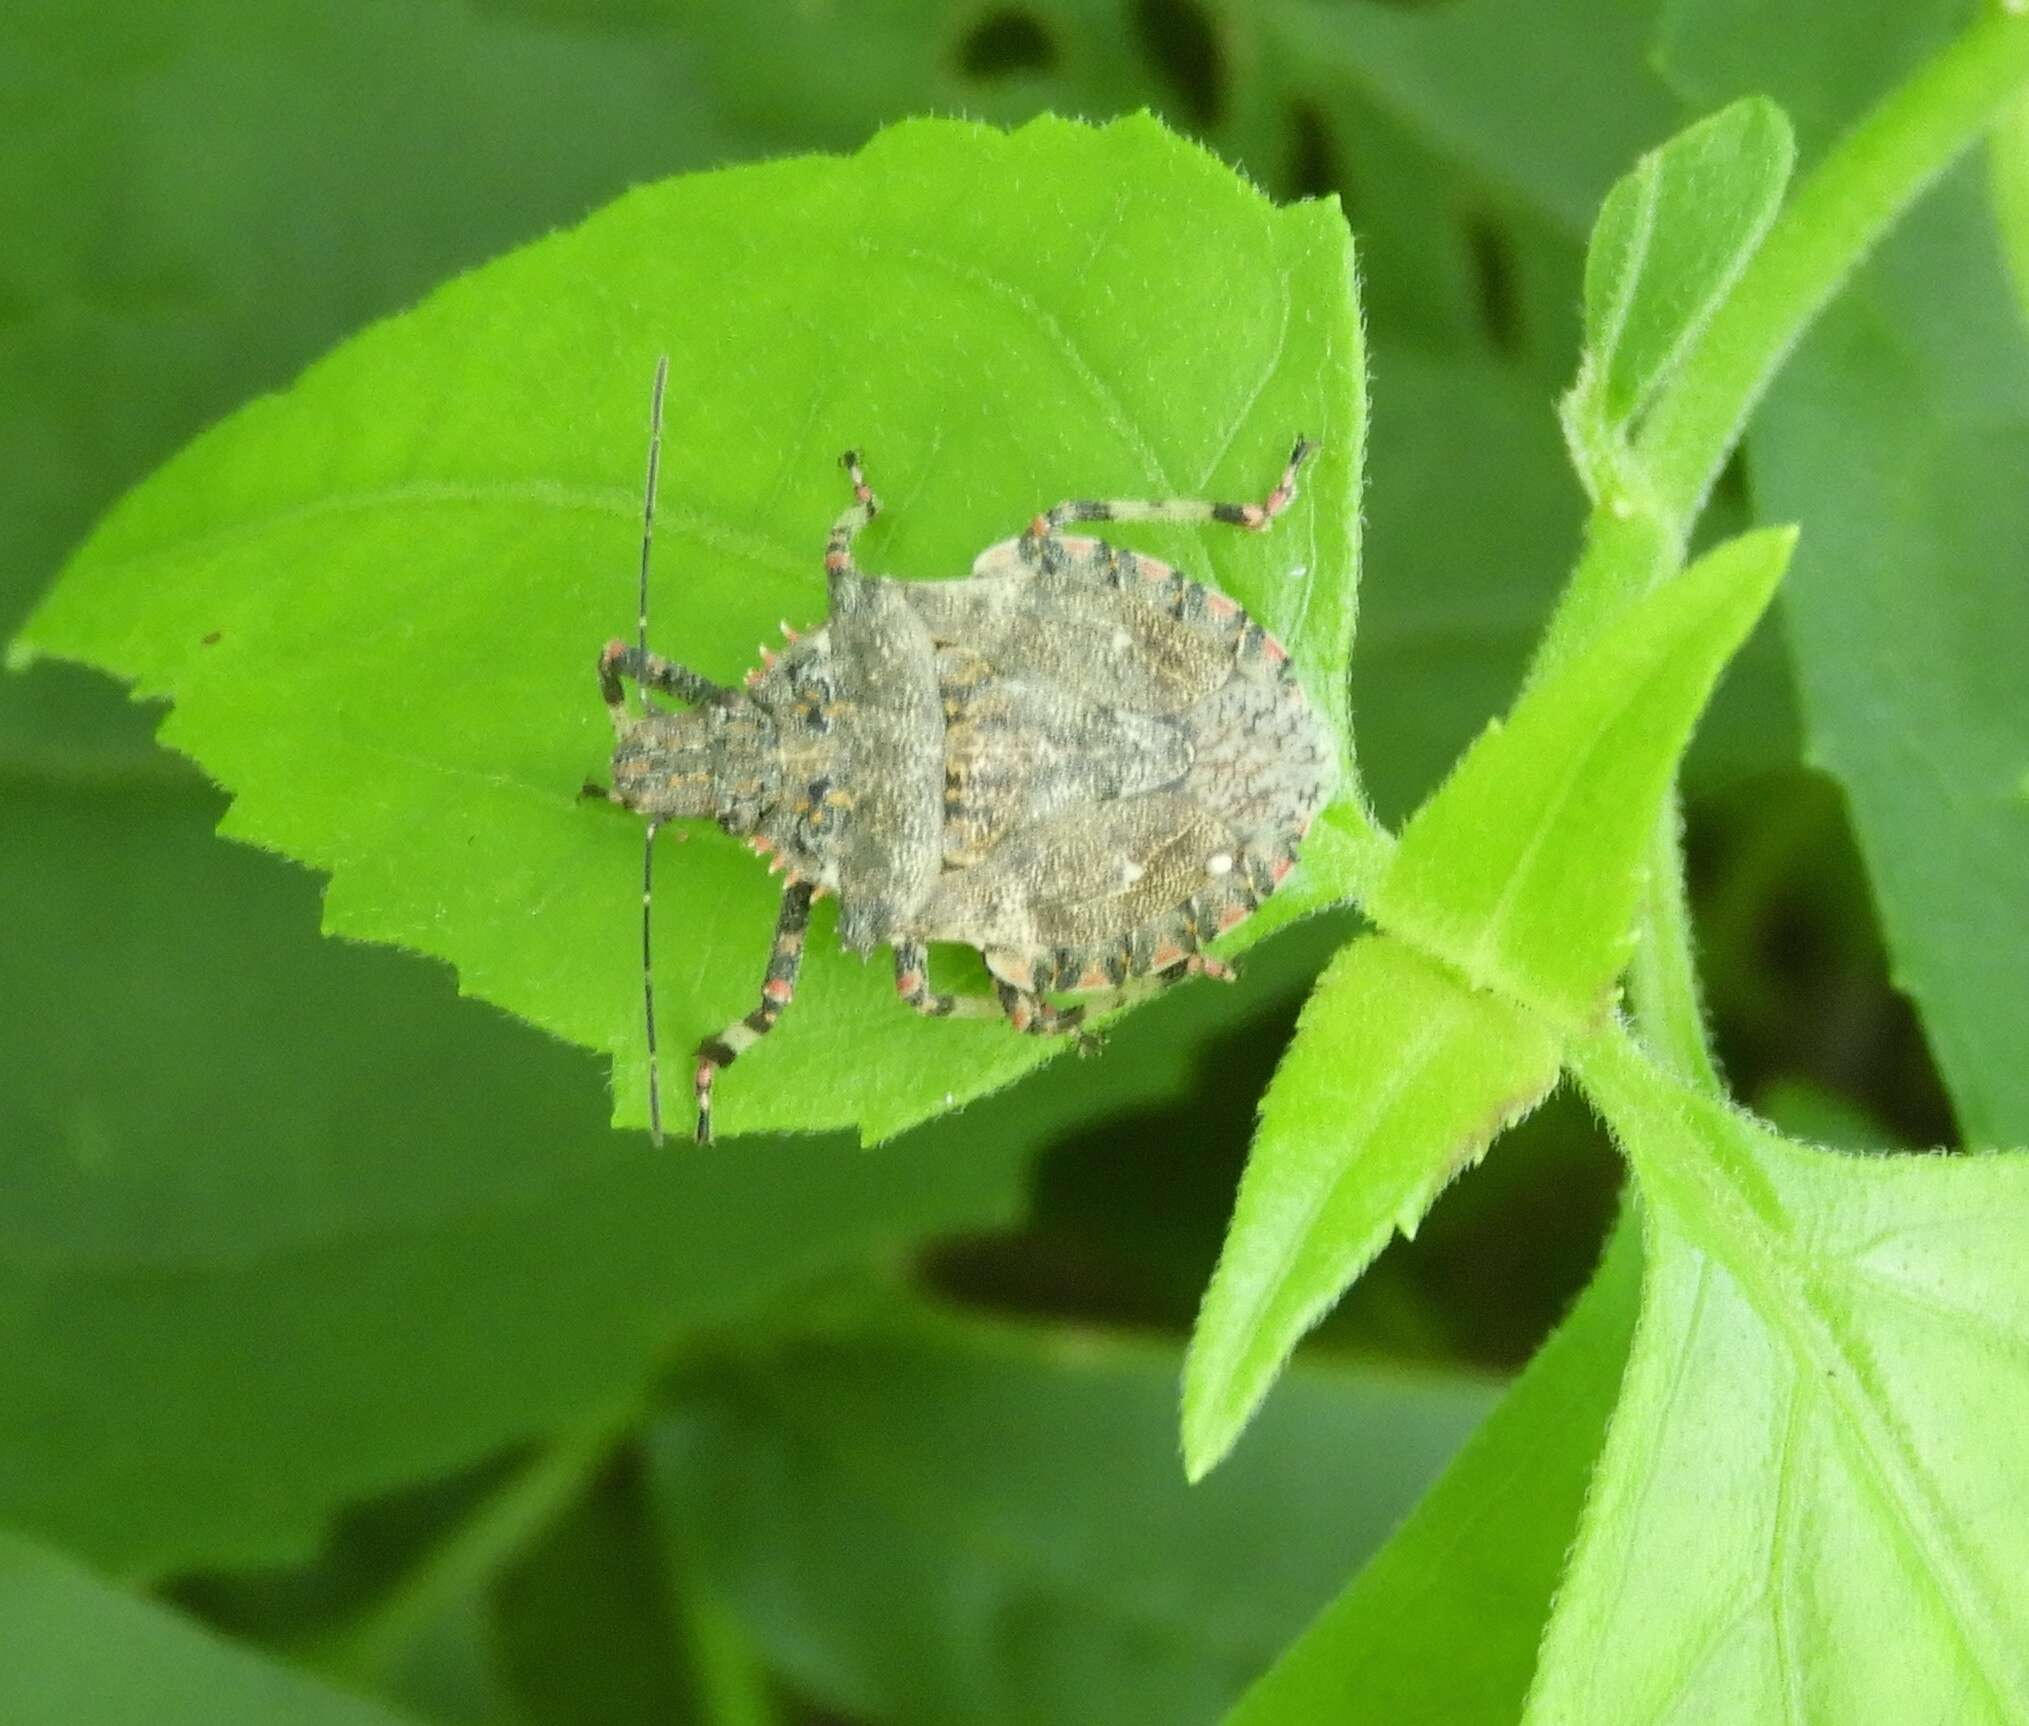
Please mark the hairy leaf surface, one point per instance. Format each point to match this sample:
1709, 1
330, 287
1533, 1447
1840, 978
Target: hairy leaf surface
1671, 240
1523, 869
375, 600
1803, 1508
1399, 1077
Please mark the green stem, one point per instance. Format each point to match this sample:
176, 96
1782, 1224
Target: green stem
1663, 980
1637, 537
1839, 214
475, 1551
1626, 551
733, 1687
1711, 1188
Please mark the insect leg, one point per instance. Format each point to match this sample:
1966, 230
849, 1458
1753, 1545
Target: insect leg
785, 961
1255, 516
912, 983
1141, 966
1037, 1017
1104, 1001
651, 671
863, 508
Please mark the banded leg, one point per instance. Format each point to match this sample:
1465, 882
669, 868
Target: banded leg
651, 671
785, 962
863, 508
1253, 516
1036, 1017
1073, 971
1018, 985
912, 983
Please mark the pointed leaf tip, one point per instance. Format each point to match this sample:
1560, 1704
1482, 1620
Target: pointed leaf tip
1398, 1077
1523, 868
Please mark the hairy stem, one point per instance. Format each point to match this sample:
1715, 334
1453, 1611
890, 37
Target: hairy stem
1638, 537
1840, 212
1663, 979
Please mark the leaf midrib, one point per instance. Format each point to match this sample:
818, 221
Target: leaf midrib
1487, 957
558, 496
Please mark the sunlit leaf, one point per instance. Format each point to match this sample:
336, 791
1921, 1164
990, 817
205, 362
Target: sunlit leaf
1398, 1078
1523, 869
1671, 240
1804, 1507
375, 600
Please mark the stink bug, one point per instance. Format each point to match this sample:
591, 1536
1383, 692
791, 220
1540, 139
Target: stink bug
1076, 759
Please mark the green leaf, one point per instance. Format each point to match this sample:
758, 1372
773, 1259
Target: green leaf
1841, 211
159, 268
1525, 867
1801, 1109
291, 1191
375, 600
1397, 1079
1804, 1507
968, 1523
1473, 554
1900, 436
1671, 240
1442, 1624
82, 1654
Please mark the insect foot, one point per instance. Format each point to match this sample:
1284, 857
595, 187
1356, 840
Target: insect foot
1077, 760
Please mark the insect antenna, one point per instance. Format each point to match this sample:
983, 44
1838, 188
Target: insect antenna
648, 987
648, 496
648, 842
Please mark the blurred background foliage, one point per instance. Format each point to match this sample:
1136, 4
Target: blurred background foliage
331, 1311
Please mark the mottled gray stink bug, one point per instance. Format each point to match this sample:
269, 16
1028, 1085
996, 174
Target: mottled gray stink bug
1076, 760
